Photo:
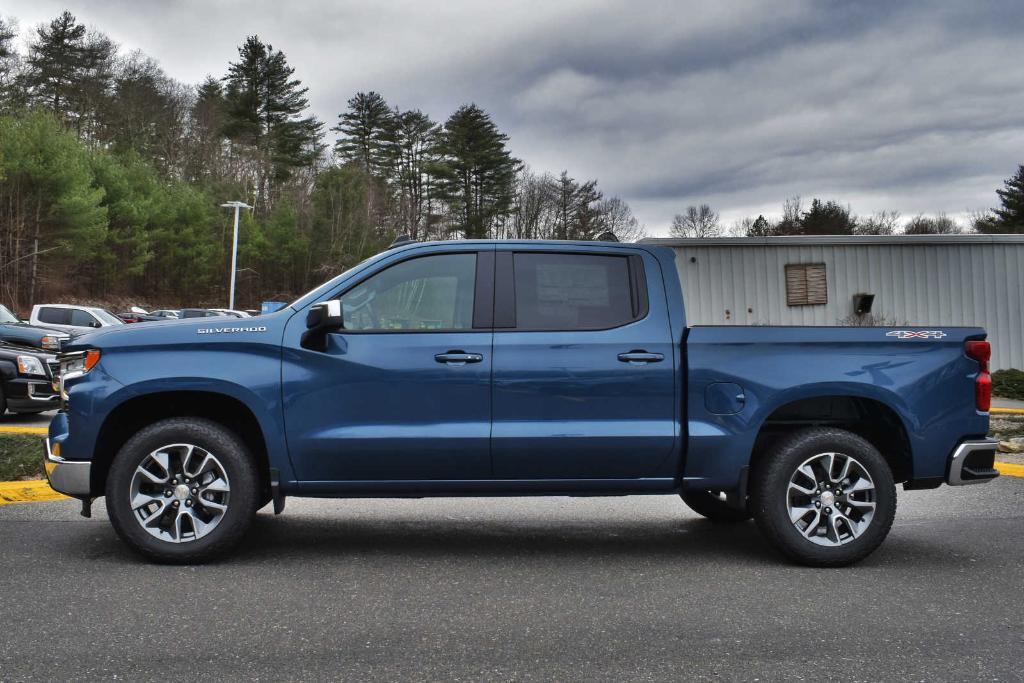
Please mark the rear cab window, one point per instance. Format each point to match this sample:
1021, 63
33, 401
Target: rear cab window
571, 291
56, 316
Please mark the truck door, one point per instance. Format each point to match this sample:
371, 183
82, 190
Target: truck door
584, 377
403, 391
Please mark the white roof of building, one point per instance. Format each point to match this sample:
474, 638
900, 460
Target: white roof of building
855, 240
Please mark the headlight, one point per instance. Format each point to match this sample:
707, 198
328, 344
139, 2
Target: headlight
77, 364
30, 365
73, 365
50, 342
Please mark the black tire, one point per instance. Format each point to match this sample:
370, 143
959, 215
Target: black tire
237, 464
3, 401
708, 504
770, 497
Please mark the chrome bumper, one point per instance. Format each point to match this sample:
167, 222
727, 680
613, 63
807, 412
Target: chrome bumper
67, 476
972, 463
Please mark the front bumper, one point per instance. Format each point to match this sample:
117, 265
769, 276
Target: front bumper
972, 463
71, 477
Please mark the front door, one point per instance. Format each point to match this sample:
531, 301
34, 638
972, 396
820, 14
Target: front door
584, 371
402, 393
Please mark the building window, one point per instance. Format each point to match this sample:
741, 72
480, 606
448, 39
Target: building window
806, 284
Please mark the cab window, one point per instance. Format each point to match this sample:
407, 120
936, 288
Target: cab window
425, 293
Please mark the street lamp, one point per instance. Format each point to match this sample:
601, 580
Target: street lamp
234, 249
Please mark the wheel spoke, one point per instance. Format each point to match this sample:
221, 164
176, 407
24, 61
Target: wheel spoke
146, 521
212, 505
861, 484
845, 471
801, 489
812, 528
142, 499
798, 512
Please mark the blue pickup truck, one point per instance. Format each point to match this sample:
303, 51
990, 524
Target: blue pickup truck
515, 368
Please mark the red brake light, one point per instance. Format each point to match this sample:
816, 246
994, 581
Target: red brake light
983, 392
981, 351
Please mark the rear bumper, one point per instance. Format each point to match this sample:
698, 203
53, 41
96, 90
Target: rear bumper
972, 463
70, 477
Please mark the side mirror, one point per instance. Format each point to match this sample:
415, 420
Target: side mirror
322, 319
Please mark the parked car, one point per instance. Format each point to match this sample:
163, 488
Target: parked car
212, 313
232, 312
73, 318
496, 368
16, 331
27, 378
166, 314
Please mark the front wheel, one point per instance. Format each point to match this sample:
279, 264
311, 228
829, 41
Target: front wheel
182, 490
824, 497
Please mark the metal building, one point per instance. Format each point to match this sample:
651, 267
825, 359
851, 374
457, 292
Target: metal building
822, 280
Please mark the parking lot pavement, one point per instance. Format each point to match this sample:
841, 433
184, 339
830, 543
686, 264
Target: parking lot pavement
519, 588
37, 420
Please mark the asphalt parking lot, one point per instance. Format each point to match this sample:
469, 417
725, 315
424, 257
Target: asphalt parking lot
519, 588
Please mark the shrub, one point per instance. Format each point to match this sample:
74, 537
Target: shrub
1008, 383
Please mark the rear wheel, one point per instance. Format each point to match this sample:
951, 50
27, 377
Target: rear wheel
182, 490
711, 505
824, 497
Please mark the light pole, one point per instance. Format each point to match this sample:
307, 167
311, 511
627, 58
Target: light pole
234, 249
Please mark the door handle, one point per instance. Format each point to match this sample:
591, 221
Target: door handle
458, 357
639, 357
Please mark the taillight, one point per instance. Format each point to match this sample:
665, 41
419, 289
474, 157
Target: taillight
981, 351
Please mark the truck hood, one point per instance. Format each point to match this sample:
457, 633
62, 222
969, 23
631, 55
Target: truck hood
263, 329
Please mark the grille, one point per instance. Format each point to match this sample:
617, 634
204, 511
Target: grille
54, 367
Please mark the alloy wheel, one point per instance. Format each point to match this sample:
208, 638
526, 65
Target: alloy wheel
179, 493
831, 499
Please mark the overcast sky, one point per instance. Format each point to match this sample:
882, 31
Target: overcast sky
915, 106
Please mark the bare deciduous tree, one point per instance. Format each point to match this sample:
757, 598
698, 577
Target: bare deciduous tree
698, 221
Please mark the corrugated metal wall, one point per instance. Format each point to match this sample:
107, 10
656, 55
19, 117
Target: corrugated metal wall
956, 283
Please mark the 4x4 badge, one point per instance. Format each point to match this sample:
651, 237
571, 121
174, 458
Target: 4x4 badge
920, 334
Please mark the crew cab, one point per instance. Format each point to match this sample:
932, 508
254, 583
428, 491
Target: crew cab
500, 368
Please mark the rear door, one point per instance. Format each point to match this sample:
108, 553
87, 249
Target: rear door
584, 380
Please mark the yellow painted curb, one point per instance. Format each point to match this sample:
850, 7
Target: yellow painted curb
1007, 411
5, 429
1010, 470
27, 492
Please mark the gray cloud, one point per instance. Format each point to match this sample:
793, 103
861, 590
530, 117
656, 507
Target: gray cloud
916, 106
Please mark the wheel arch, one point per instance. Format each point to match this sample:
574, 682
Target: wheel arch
869, 417
131, 415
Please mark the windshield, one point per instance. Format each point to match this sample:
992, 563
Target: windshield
107, 317
6, 316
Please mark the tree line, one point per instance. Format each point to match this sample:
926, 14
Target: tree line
112, 174
832, 218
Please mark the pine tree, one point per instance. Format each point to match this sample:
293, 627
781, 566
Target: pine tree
264, 106
476, 172
69, 70
827, 218
416, 138
367, 131
1010, 217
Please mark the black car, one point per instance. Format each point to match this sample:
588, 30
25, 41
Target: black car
27, 380
15, 331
